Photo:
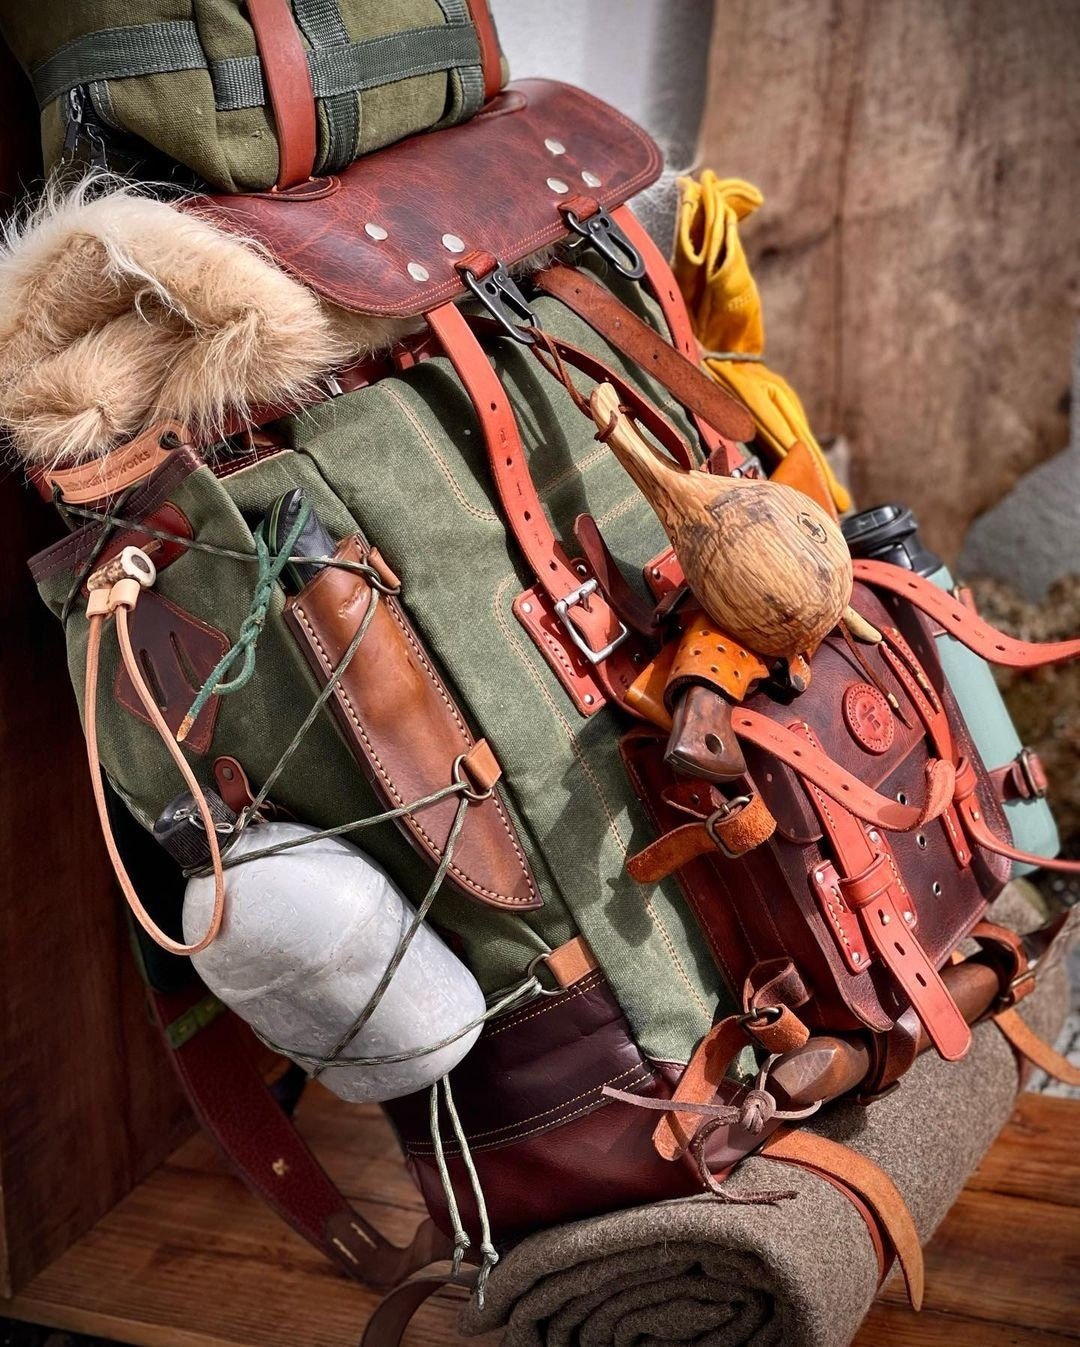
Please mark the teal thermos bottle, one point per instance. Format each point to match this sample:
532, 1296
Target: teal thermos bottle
890, 533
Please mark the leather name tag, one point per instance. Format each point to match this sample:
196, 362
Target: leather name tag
405, 731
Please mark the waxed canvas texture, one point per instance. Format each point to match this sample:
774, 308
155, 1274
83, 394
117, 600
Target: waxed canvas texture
235, 148
404, 460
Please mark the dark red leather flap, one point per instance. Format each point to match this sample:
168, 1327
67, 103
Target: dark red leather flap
385, 237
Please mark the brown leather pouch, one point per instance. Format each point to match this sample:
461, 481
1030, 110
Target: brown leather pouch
404, 729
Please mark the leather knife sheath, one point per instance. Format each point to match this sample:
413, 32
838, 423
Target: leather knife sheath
405, 730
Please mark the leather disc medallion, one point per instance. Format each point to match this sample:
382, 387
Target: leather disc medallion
869, 717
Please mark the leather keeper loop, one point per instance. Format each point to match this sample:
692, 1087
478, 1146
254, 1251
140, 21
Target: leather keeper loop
870, 884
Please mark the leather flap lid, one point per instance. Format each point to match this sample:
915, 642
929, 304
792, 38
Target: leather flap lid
384, 237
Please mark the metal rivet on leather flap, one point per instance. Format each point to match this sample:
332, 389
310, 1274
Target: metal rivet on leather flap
554, 146
481, 766
557, 185
590, 179
418, 271
452, 243
374, 231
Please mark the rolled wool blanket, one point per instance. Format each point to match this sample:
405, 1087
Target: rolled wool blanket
801, 1273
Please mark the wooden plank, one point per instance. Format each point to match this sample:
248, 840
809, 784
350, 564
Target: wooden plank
1038, 1153
897, 1326
918, 304
1005, 1259
90, 1101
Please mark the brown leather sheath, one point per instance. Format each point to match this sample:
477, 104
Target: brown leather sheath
405, 731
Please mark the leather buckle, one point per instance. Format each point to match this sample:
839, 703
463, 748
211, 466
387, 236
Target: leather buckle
609, 241
562, 611
501, 296
1035, 780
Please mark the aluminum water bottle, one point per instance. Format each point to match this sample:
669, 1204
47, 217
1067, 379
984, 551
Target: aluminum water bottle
890, 533
305, 939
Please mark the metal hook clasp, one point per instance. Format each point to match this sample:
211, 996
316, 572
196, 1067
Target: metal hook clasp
609, 241
501, 296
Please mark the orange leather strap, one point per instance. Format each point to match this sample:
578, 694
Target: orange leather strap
1028, 1043
871, 1184
982, 835
682, 376
698, 1084
871, 885
735, 834
288, 88
672, 305
840, 785
596, 622
571, 962
959, 620
490, 58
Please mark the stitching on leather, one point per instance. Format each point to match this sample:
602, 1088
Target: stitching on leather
575, 748
646, 1076
557, 650
553, 1004
343, 696
477, 511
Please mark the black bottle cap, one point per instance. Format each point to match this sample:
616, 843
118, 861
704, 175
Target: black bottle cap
180, 830
889, 533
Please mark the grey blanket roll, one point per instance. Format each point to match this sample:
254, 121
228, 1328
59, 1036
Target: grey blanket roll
801, 1273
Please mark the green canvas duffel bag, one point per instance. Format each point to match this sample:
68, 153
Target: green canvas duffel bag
117, 82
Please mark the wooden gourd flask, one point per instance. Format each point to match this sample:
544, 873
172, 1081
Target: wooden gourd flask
767, 563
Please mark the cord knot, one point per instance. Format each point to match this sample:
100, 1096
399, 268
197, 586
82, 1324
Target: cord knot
757, 1109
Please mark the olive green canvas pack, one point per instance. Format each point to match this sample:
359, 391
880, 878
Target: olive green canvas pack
182, 78
404, 461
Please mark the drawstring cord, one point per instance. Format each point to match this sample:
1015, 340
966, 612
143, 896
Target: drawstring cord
488, 1253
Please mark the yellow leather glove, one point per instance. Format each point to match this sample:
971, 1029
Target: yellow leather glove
725, 308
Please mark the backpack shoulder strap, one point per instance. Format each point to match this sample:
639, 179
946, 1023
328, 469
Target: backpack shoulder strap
233, 1103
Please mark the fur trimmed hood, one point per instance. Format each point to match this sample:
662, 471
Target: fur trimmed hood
118, 311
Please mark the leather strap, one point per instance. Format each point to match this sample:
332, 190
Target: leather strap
711, 657
490, 57
626, 601
122, 467
667, 294
832, 1161
839, 784
289, 89
679, 374
571, 962
232, 1102
745, 828
1037, 1051
597, 624
959, 621
981, 834
391, 1317
1022, 779
871, 885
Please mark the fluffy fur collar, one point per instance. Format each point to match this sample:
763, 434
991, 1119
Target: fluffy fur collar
118, 310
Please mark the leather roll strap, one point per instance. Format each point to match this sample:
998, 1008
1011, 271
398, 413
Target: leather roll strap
390, 1319
597, 624
810, 763
871, 885
832, 1161
981, 834
740, 831
1028, 1044
682, 376
959, 620
666, 292
219, 1074
289, 89
490, 56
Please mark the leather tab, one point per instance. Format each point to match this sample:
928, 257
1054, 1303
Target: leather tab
571, 962
102, 477
744, 828
482, 767
289, 89
842, 921
645, 695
